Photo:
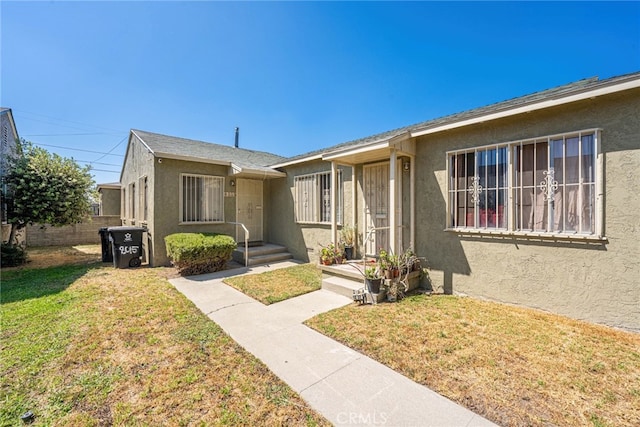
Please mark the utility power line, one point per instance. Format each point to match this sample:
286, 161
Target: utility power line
67, 134
63, 120
103, 170
77, 149
97, 163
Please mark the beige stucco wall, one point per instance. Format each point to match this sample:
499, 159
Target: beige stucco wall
303, 240
598, 282
84, 233
163, 212
110, 201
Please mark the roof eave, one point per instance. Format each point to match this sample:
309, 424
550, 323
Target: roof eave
373, 146
297, 161
578, 96
263, 173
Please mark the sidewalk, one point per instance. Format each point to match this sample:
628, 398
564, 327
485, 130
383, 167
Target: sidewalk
343, 385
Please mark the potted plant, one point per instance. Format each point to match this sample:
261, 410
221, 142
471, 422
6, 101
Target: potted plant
347, 237
389, 264
328, 254
331, 254
372, 278
395, 290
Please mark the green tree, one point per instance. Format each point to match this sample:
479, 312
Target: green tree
45, 188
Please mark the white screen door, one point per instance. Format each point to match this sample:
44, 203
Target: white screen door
376, 190
249, 207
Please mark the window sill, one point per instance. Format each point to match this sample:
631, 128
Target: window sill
526, 234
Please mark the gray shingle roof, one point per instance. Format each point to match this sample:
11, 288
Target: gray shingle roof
165, 145
553, 93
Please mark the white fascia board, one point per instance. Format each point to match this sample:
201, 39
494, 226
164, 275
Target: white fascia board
297, 161
142, 141
356, 150
533, 107
265, 173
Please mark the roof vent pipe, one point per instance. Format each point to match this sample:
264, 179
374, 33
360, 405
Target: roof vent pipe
237, 137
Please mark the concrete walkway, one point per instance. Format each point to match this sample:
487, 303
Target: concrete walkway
343, 385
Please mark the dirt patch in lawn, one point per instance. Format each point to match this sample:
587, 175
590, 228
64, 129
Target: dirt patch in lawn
52, 256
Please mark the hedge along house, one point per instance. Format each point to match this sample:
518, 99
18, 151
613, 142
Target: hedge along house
530, 201
171, 185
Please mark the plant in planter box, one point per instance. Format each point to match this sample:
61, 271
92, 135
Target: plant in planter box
409, 261
389, 264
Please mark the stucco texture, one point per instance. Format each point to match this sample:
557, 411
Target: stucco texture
594, 281
303, 240
163, 205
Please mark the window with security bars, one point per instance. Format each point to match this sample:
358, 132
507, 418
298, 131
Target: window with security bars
555, 184
313, 198
201, 199
478, 188
552, 183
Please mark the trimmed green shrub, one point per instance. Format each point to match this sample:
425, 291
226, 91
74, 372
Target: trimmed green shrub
198, 253
12, 255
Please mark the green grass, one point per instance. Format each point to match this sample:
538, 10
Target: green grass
278, 285
38, 320
93, 345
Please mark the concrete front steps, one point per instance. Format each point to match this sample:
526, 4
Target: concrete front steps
262, 254
344, 279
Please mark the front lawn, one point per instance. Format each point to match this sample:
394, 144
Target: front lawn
515, 366
92, 345
278, 285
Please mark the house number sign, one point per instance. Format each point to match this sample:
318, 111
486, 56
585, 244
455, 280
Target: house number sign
129, 250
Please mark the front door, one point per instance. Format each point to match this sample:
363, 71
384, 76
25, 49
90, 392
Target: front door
249, 208
376, 190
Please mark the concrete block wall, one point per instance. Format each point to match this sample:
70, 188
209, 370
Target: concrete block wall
85, 233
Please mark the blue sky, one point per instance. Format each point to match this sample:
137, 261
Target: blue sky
294, 76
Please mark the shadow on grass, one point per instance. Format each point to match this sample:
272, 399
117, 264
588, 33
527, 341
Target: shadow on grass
20, 285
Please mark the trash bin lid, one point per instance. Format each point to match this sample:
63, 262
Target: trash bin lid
125, 234
126, 228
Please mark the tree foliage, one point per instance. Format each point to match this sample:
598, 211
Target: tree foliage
46, 188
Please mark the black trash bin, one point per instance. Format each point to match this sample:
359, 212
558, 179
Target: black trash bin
107, 254
126, 244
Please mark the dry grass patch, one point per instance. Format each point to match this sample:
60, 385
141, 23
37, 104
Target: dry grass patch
51, 256
515, 366
94, 345
278, 285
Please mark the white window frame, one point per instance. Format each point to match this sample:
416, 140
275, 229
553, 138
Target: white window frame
131, 211
312, 198
207, 203
513, 222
